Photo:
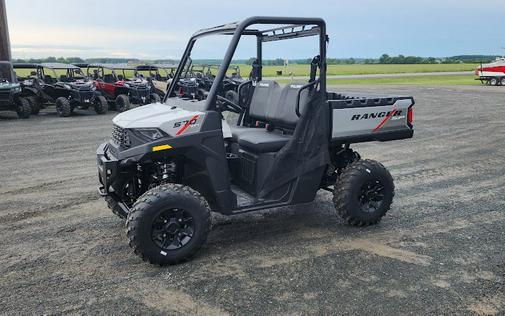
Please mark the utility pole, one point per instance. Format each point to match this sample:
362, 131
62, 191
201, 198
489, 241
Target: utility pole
5, 46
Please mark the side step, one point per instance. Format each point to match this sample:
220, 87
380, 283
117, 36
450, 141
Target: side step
243, 198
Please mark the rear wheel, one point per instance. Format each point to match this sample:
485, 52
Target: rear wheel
63, 107
155, 98
23, 108
34, 104
168, 224
502, 81
493, 81
122, 103
363, 193
101, 106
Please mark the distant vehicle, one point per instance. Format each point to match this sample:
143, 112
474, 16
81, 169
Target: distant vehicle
10, 92
70, 89
113, 83
493, 73
157, 80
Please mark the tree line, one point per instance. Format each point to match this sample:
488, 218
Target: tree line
384, 59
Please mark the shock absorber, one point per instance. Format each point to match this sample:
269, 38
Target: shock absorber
167, 172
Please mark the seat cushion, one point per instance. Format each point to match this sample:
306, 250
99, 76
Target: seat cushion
263, 141
239, 131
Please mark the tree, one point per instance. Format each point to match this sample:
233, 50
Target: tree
385, 59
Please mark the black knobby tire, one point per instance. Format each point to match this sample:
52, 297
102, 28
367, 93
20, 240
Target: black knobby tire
363, 193
34, 104
63, 107
122, 103
101, 105
23, 108
155, 98
149, 221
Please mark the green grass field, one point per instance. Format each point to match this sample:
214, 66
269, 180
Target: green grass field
303, 70
410, 80
414, 80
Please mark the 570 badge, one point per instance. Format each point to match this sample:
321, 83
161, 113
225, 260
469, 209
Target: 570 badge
185, 124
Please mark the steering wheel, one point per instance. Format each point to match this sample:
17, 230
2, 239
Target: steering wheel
229, 105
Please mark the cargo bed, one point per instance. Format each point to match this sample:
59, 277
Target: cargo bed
362, 118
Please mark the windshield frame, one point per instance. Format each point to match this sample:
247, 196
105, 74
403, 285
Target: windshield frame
237, 30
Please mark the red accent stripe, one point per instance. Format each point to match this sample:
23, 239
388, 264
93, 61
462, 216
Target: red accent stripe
494, 69
384, 121
185, 127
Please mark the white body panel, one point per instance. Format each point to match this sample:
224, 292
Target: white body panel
166, 118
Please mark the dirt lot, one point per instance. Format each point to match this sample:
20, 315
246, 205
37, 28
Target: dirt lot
440, 250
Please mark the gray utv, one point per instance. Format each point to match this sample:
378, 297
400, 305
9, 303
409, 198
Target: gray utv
169, 164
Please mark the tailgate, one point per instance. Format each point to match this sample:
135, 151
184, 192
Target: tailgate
371, 119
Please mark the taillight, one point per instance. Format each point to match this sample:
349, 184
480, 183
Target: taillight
410, 116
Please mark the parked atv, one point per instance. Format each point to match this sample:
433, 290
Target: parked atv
153, 77
63, 85
140, 89
111, 81
168, 165
10, 92
29, 76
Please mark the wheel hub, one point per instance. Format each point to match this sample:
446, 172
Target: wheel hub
172, 229
371, 196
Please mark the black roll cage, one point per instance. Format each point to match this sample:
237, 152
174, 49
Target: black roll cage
295, 27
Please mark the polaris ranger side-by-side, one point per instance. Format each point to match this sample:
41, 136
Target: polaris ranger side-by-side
169, 164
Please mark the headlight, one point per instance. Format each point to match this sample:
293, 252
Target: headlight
150, 133
17, 90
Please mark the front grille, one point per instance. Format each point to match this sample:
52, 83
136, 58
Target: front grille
5, 95
86, 96
120, 136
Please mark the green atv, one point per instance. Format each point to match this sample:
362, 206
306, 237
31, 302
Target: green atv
10, 92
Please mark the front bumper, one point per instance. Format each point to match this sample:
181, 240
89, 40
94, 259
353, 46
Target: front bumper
108, 168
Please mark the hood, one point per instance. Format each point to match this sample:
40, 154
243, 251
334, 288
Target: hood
81, 84
152, 115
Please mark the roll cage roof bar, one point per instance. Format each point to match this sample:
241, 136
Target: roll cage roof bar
293, 28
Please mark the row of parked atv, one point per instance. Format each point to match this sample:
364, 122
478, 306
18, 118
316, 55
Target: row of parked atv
28, 88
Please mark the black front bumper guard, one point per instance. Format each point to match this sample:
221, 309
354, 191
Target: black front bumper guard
108, 169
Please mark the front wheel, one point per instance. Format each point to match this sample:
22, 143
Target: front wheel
63, 107
155, 98
122, 103
168, 224
34, 104
23, 108
101, 106
363, 193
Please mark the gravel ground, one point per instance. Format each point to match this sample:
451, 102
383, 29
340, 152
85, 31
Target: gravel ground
440, 250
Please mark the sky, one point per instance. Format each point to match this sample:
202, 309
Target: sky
159, 29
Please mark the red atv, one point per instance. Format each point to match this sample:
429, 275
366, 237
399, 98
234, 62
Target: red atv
119, 90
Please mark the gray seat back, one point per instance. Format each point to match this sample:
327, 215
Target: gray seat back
283, 115
265, 98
